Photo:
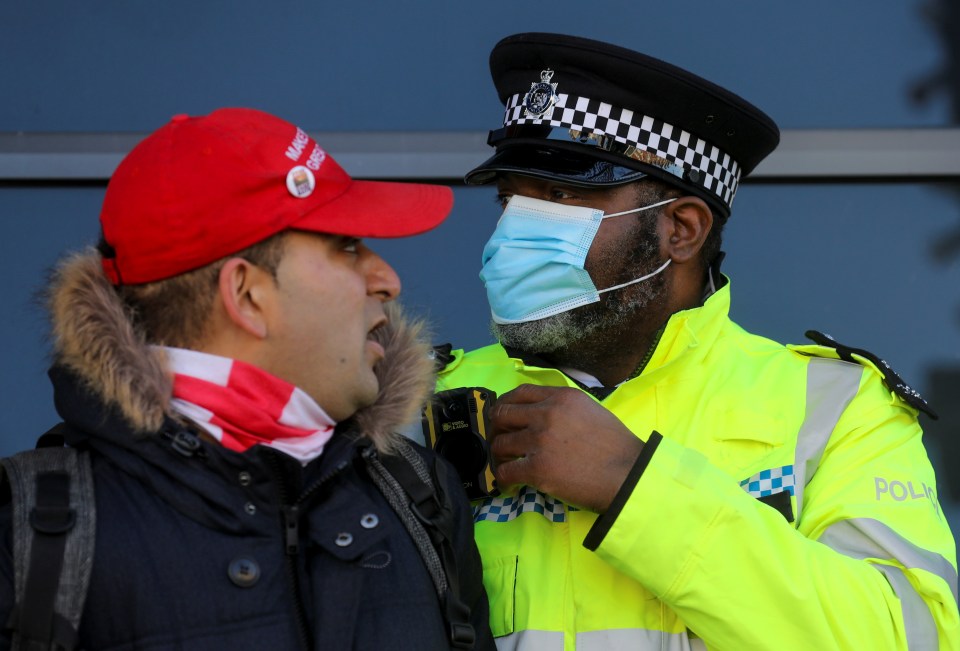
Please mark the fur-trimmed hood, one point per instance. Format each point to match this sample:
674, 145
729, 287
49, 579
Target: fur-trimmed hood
95, 340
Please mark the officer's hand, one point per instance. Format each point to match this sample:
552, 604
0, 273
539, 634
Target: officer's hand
561, 442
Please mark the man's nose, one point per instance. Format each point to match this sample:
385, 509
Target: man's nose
381, 278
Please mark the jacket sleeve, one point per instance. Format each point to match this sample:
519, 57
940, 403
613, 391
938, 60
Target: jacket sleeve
869, 564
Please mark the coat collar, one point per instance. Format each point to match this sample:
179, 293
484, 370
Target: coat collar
686, 339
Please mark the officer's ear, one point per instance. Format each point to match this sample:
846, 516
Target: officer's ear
689, 220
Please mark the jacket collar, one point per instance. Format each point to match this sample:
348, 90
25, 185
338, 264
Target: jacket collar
686, 338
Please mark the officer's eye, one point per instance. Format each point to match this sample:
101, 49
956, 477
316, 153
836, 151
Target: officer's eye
559, 194
502, 199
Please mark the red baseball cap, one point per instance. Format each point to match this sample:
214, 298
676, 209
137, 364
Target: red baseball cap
201, 188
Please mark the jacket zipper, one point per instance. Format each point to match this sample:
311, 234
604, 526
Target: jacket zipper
291, 526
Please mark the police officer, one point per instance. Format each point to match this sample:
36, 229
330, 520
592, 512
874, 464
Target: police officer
668, 480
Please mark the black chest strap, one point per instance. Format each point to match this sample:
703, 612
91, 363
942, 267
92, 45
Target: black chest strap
54, 525
426, 511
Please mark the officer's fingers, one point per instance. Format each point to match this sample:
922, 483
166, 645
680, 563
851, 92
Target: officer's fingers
514, 472
507, 446
508, 418
529, 403
535, 468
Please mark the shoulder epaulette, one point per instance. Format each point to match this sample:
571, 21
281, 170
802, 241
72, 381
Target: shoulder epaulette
442, 356
890, 378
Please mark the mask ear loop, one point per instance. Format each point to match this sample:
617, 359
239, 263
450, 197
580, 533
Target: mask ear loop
649, 275
713, 275
638, 280
653, 205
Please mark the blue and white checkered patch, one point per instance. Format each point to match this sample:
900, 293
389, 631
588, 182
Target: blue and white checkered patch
768, 482
528, 500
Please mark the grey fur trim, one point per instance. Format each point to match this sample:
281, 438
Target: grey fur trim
94, 338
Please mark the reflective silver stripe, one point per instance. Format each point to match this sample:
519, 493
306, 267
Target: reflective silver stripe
862, 538
831, 385
868, 538
636, 639
531, 641
918, 621
626, 639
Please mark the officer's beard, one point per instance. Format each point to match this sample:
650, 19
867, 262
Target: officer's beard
591, 329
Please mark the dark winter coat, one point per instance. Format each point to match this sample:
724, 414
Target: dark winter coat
199, 547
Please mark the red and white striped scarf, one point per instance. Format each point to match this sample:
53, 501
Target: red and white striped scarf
241, 405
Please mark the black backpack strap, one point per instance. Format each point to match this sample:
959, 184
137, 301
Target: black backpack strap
427, 512
54, 525
55, 437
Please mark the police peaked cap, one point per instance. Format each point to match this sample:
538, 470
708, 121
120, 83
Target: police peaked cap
594, 114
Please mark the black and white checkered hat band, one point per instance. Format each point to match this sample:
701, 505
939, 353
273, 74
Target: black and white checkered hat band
640, 137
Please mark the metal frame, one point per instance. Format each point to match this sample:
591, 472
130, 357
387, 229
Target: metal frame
445, 156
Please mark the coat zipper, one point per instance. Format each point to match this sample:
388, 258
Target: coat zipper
291, 526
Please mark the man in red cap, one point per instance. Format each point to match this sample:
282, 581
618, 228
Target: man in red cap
669, 480
230, 363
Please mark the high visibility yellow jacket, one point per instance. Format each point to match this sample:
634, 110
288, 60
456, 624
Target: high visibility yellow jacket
788, 505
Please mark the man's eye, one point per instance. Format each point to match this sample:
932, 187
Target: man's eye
560, 195
351, 246
502, 199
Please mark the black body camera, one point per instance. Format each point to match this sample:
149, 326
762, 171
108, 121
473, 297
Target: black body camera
455, 424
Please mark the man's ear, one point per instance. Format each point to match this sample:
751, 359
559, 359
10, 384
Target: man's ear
689, 223
244, 290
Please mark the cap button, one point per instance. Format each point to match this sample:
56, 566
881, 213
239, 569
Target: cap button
180, 117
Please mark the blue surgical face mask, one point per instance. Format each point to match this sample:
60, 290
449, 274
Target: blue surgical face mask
533, 264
